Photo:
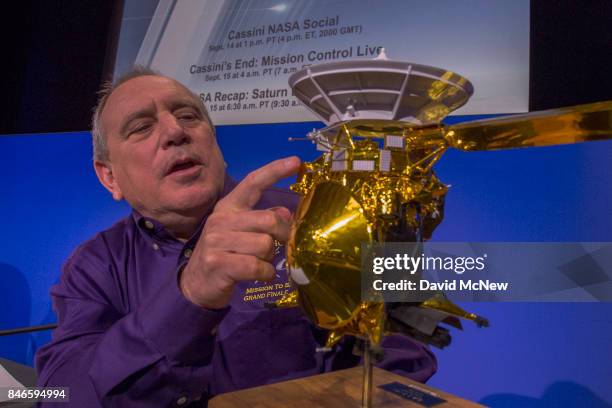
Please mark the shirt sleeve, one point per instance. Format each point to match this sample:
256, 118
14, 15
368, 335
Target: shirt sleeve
408, 357
156, 355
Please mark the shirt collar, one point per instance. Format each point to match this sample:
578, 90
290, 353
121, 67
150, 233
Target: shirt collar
156, 229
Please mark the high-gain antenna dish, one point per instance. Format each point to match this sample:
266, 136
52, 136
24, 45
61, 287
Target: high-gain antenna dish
380, 89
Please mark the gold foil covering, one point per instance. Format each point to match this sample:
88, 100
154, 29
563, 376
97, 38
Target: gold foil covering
375, 183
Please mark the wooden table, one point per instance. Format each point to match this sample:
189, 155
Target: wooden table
338, 389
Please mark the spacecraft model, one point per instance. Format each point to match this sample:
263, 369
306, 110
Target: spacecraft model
375, 183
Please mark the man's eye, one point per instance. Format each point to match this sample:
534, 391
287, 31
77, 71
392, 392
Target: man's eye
141, 128
187, 116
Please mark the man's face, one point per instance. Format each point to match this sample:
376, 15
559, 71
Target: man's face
163, 156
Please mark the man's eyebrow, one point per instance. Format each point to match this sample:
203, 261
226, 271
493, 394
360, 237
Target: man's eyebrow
141, 113
184, 103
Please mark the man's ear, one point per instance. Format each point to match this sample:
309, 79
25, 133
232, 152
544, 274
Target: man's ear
104, 171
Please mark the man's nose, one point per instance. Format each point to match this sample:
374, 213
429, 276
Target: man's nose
172, 131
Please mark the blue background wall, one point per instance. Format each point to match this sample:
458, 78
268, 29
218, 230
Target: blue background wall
533, 355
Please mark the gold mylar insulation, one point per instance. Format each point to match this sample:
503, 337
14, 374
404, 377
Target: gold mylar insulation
375, 180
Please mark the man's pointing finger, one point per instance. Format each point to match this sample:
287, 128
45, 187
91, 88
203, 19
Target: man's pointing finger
248, 192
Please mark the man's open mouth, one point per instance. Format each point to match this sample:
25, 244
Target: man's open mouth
182, 165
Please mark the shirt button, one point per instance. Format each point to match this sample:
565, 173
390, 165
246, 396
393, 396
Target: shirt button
155, 247
188, 253
149, 224
214, 330
181, 401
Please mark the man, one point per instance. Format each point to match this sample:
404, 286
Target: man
165, 307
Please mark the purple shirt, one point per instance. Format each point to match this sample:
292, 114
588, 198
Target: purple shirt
128, 337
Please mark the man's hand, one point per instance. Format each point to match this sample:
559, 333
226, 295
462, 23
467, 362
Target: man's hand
237, 242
